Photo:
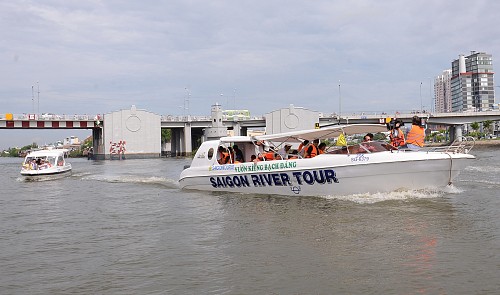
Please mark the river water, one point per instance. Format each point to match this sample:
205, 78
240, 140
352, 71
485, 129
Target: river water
124, 227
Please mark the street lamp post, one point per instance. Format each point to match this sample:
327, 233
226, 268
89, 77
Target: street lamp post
421, 107
38, 92
340, 102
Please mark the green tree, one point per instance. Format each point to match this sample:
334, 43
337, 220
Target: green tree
475, 126
166, 135
487, 126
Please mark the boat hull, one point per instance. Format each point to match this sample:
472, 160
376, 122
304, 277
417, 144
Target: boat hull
327, 175
63, 170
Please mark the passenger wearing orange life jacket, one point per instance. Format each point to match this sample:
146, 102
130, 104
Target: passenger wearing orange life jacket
268, 154
223, 156
321, 148
416, 135
396, 135
302, 146
312, 150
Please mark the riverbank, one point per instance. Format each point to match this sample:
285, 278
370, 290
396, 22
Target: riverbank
482, 142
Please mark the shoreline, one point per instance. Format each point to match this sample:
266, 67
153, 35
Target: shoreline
483, 142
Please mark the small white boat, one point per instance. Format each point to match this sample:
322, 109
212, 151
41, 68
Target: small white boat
45, 162
363, 168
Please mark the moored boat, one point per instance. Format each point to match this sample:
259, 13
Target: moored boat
368, 167
45, 162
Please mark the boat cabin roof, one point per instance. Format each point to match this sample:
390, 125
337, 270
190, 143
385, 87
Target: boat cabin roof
47, 153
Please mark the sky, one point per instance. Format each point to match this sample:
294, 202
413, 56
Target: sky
180, 57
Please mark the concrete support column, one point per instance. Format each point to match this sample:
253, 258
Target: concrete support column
98, 144
458, 132
175, 142
188, 146
237, 129
455, 132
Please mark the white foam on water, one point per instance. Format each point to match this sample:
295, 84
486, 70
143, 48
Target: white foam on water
171, 183
400, 195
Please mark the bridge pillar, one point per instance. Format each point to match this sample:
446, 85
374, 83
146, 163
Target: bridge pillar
175, 142
455, 132
188, 146
98, 152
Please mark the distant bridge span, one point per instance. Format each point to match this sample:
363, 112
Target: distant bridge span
187, 130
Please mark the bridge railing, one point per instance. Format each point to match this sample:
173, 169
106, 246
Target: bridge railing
53, 117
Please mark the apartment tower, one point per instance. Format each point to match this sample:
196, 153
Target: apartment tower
472, 85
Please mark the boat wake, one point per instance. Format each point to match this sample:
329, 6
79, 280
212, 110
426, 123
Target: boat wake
403, 195
169, 183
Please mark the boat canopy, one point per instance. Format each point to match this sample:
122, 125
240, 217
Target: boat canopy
323, 133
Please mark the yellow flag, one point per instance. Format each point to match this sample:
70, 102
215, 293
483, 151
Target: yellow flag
341, 140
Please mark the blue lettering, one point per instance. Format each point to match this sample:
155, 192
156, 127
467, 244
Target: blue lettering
212, 180
298, 177
330, 175
319, 176
285, 179
229, 182
244, 181
267, 179
276, 179
256, 180
308, 178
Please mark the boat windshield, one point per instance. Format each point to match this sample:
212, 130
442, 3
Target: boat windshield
364, 147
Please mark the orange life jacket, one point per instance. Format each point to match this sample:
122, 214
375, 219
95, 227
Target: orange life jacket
314, 151
224, 157
268, 156
398, 139
416, 136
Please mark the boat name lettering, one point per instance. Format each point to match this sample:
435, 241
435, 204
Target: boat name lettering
308, 177
221, 167
360, 158
265, 167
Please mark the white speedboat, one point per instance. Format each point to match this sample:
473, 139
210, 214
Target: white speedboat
45, 162
363, 168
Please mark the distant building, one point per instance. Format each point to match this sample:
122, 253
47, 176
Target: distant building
472, 84
71, 140
442, 92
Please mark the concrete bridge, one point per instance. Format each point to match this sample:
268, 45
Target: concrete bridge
136, 133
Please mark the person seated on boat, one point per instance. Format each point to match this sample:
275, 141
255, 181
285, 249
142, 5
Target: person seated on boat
223, 155
268, 155
366, 145
231, 155
396, 135
293, 155
238, 154
416, 136
302, 147
312, 149
253, 158
321, 148
285, 151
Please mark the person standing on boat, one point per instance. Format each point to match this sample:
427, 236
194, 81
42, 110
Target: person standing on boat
416, 136
396, 135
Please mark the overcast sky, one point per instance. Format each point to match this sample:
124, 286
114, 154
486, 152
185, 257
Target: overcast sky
89, 57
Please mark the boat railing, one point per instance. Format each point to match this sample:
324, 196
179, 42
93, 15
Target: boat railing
461, 145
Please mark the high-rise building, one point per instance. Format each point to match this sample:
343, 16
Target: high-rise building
472, 85
442, 92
